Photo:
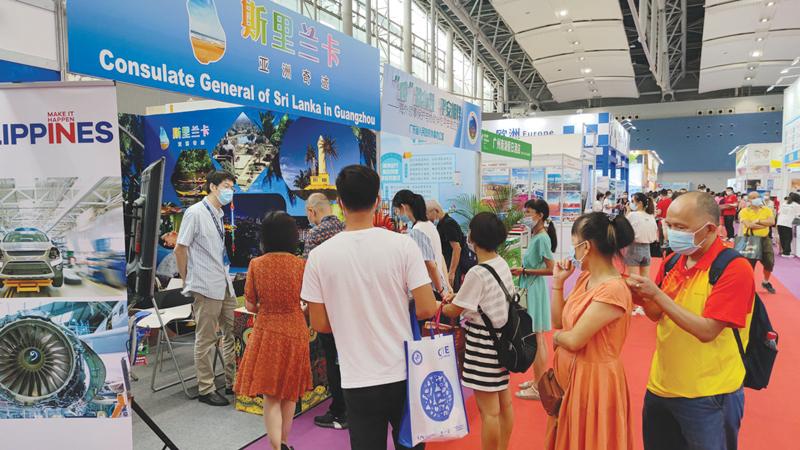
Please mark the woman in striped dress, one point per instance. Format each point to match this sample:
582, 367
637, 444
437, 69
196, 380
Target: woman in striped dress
482, 371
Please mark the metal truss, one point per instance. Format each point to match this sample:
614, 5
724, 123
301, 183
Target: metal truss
661, 27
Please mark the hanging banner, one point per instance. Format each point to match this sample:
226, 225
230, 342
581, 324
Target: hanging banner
249, 52
63, 319
503, 146
415, 109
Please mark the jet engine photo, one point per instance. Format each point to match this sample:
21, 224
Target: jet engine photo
45, 369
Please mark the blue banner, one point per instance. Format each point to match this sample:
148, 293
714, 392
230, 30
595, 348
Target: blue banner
248, 52
415, 109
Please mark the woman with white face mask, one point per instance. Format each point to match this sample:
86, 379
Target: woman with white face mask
537, 263
637, 255
592, 324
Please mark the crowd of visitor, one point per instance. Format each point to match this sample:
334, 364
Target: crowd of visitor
357, 283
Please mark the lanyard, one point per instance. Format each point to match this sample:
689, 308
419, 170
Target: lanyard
216, 222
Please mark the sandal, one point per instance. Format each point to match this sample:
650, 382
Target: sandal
528, 394
526, 385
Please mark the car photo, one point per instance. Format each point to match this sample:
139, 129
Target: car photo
28, 254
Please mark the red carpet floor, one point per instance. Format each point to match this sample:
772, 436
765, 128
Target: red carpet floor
772, 416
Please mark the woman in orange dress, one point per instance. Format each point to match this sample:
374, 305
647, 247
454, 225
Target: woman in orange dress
276, 362
594, 320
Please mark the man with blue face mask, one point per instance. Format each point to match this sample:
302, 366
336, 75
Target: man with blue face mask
204, 267
757, 220
694, 396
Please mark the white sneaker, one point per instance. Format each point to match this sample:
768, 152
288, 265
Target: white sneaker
787, 256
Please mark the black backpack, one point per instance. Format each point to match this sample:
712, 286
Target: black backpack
759, 358
516, 346
468, 258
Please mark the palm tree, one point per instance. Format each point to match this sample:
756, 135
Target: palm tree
311, 159
274, 136
367, 146
302, 179
499, 203
330, 149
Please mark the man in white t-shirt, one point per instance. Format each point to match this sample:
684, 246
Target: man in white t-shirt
608, 204
357, 284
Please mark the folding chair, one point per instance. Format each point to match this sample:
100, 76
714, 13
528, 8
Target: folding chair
170, 306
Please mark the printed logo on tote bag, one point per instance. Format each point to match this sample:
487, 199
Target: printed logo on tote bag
437, 397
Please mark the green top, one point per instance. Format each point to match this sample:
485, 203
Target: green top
538, 299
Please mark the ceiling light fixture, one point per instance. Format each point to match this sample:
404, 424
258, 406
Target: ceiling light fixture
582, 58
570, 30
748, 78
594, 91
764, 20
784, 71
563, 13
796, 61
759, 39
587, 70
756, 53
751, 67
575, 42
770, 3
591, 81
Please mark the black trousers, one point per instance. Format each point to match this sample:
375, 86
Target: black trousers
334, 375
785, 234
729, 226
371, 410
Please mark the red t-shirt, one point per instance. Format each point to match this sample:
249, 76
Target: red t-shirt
730, 200
731, 298
663, 205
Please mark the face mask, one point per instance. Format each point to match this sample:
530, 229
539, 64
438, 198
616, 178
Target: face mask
529, 222
634, 206
757, 202
406, 220
575, 261
682, 242
225, 196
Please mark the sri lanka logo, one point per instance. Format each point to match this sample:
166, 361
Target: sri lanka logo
472, 127
416, 357
61, 128
205, 31
436, 396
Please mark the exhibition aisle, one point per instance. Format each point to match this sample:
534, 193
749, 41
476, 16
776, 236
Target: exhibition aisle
768, 413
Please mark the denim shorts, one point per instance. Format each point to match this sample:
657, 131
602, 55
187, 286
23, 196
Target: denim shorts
637, 255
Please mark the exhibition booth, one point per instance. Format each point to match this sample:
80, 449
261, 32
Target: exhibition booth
758, 167
643, 170
790, 179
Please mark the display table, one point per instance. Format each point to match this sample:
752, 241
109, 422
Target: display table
243, 323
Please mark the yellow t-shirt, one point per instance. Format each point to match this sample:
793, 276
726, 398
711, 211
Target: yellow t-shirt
682, 365
752, 215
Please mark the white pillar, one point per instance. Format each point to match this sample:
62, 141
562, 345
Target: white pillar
480, 85
347, 17
368, 25
474, 67
505, 92
448, 61
432, 46
407, 36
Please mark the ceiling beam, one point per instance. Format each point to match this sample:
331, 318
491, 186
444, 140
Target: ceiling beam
467, 21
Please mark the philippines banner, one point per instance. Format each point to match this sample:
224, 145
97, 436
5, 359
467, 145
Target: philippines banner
427, 115
248, 52
63, 318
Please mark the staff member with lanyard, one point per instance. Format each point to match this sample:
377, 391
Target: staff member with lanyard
204, 266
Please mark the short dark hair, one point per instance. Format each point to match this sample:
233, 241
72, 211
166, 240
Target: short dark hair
608, 193
487, 231
663, 192
414, 201
609, 235
358, 187
216, 177
706, 204
279, 233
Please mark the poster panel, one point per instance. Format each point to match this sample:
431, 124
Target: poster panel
494, 178
427, 115
249, 52
279, 160
63, 321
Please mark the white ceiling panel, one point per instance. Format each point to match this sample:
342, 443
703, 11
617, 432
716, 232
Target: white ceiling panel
550, 41
522, 15
778, 45
612, 63
735, 75
741, 17
571, 90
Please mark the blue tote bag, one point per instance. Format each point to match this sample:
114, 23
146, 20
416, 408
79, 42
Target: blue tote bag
435, 405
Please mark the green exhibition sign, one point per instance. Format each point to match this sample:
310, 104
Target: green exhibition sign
503, 146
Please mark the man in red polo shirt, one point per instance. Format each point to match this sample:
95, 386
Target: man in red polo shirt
661, 213
694, 396
729, 204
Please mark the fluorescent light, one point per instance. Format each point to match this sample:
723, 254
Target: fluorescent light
769, 89
784, 71
563, 13
756, 53
796, 60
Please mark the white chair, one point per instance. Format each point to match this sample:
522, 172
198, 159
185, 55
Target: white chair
170, 307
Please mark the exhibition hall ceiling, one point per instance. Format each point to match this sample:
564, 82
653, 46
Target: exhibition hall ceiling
575, 53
